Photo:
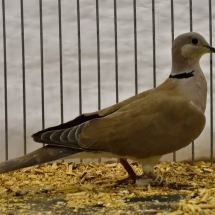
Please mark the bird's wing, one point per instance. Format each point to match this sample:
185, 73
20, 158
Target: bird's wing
77, 123
155, 125
159, 123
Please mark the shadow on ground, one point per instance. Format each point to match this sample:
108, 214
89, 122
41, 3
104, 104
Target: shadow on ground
57, 205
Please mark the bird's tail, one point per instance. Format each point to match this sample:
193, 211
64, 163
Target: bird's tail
42, 155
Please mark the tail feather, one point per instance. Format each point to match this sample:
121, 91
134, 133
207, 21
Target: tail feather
40, 156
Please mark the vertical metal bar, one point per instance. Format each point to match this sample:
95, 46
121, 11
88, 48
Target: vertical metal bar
61, 64
42, 64
5, 79
172, 31
191, 16
172, 20
116, 51
211, 85
154, 49
79, 59
135, 46
23, 75
191, 29
98, 58
98, 54
79, 56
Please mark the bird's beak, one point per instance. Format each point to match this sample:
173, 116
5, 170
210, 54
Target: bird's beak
212, 49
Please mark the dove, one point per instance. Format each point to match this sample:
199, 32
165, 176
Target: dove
143, 127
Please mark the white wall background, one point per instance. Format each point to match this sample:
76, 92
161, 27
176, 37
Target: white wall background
89, 60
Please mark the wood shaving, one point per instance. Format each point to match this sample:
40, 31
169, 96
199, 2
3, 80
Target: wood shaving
95, 185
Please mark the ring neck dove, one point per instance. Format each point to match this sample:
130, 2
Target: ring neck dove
143, 127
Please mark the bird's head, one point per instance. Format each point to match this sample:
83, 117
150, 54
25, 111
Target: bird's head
187, 49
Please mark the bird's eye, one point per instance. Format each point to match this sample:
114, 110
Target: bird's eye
195, 41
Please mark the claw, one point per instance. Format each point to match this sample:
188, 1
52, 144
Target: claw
150, 178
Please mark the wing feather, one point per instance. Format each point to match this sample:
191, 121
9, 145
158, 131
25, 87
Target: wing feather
154, 124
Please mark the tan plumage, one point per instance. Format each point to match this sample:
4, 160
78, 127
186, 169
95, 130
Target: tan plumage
143, 127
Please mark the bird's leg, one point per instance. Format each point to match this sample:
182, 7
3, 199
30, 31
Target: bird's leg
158, 180
131, 174
152, 178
